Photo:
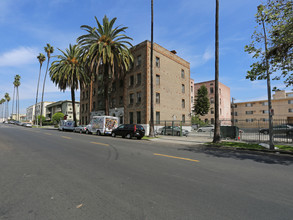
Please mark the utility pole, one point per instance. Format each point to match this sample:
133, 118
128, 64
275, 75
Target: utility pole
233, 112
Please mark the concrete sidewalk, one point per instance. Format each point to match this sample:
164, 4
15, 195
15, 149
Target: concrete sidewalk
189, 140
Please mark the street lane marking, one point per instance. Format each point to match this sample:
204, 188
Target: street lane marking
181, 158
47, 133
66, 137
100, 143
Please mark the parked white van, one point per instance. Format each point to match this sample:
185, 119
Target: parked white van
102, 125
66, 125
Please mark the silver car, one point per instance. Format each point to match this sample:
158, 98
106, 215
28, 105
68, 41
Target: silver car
207, 128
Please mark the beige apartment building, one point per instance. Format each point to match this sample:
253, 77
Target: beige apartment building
62, 106
130, 98
191, 95
257, 111
31, 111
224, 101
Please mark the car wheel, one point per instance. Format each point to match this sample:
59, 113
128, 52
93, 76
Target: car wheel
87, 131
113, 134
290, 132
199, 130
128, 136
138, 138
123, 136
266, 132
98, 133
178, 133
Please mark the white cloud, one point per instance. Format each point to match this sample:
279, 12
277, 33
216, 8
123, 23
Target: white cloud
18, 57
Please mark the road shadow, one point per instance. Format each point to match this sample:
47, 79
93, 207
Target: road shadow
237, 154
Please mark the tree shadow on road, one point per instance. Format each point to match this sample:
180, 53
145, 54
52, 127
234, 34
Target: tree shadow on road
257, 156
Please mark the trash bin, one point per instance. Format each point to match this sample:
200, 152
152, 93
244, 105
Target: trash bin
231, 132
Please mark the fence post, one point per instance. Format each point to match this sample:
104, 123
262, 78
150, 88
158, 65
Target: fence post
165, 127
172, 128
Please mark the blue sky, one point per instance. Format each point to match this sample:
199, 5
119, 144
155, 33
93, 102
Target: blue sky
185, 26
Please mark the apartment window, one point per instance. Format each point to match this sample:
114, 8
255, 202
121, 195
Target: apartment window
191, 99
220, 111
183, 118
157, 62
235, 106
211, 84
138, 117
249, 120
290, 101
131, 98
183, 103
138, 97
212, 111
220, 91
212, 120
83, 95
182, 74
82, 108
265, 119
265, 111
157, 117
183, 88
138, 79
157, 80
265, 103
130, 117
248, 105
158, 98
220, 101
212, 100
191, 88
290, 109
86, 107
138, 60
120, 100
249, 112
131, 82
235, 113
87, 94
94, 106
211, 90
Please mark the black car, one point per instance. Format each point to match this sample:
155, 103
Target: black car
279, 129
129, 131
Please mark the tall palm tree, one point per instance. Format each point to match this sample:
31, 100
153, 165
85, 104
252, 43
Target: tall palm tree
217, 136
17, 84
41, 59
49, 50
2, 103
7, 97
107, 47
67, 72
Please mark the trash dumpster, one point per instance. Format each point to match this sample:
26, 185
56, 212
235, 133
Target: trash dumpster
231, 132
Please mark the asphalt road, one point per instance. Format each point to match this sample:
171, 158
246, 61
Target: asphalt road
46, 174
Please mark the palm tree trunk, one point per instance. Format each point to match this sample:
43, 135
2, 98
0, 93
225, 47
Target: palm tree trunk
13, 101
37, 93
73, 106
18, 104
217, 136
152, 134
42, 104
106, 87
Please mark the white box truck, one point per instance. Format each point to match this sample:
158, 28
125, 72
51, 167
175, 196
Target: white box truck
66, 125
102, 125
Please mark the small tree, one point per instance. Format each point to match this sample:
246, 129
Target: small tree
43, 119
201, 102
57, 117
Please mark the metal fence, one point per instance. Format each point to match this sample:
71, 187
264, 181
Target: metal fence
258, 130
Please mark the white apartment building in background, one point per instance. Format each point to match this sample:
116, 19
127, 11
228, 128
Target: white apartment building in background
62, 106
30, 111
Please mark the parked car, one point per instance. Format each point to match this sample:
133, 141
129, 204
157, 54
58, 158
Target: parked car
207, 128
28, 125
129, 131
279, 129
80, 129
169, 130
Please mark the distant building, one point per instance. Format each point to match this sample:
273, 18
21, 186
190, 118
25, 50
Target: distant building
30, 111
224, 102
63, 106
130, 98
255, 111
22, 117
